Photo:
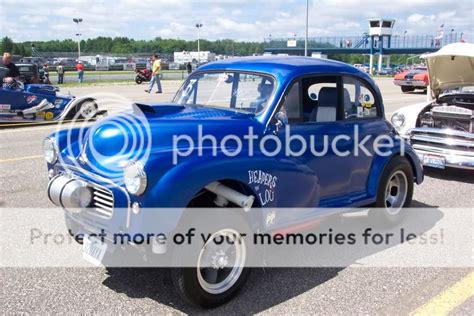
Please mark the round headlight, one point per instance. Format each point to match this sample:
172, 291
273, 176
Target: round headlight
134, 178
49, 150
398, 120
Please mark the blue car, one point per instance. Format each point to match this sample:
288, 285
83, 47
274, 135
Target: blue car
255, 135
21, 103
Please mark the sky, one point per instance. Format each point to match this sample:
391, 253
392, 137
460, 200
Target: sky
249, 20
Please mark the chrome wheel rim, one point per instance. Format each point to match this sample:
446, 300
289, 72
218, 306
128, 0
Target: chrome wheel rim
220, 265
396, 192
88, 110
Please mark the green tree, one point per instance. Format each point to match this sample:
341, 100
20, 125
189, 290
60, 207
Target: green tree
7, 45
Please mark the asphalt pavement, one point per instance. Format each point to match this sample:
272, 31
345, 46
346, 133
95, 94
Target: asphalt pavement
352, 290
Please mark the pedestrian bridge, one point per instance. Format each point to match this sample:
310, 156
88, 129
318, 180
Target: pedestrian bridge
395, 44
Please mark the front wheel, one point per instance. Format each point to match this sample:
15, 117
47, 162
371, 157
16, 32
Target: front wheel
220, 270
138, 80
395, 190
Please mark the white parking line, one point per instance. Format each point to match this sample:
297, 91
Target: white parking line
27, 129
14, 129
20, 158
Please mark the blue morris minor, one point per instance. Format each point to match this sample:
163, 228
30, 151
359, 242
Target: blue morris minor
195, 153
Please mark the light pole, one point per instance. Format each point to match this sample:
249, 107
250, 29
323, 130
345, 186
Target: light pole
451, 36
405, 39
78, 34
306, 32
198, 26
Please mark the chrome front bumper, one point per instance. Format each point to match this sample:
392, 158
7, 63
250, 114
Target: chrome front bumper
410, 83
455, 147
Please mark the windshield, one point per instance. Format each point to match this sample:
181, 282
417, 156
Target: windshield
249, 93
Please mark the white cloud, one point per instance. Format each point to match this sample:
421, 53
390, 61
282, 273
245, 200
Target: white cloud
236, 19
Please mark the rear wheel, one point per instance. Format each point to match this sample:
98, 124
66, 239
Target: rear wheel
138, 80
395, 190
407, 89
86, 110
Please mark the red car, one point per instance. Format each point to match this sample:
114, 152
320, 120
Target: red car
415, 78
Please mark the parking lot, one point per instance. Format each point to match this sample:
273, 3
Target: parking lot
319, 290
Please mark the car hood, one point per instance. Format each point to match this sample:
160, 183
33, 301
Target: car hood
148, 129
450, 67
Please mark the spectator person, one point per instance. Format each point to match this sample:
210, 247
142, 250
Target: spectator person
189, 68
80, 71
60, 70
13, 72
46, 74
155, 75
41, 74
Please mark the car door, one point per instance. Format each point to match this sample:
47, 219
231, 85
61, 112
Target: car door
313, 121
333, 115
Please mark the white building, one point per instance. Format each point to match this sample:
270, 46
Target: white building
185, 57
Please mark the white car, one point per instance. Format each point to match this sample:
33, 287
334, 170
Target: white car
441, 130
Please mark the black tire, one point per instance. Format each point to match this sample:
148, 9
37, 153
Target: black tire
186, 280
138, 80
406, 89
398, 169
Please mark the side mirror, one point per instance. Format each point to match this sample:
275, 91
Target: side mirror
281, 121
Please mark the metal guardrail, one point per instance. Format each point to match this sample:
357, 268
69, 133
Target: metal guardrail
91, 76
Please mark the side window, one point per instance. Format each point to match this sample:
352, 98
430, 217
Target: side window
291, 103
320, 99
359, 101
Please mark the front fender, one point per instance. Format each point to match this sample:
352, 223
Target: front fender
380, 163
411, 113
176, 187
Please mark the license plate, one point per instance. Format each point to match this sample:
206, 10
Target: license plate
434, 161
93, 250
408, 83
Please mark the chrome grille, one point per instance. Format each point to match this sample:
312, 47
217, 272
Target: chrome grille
442, 140
102, 202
